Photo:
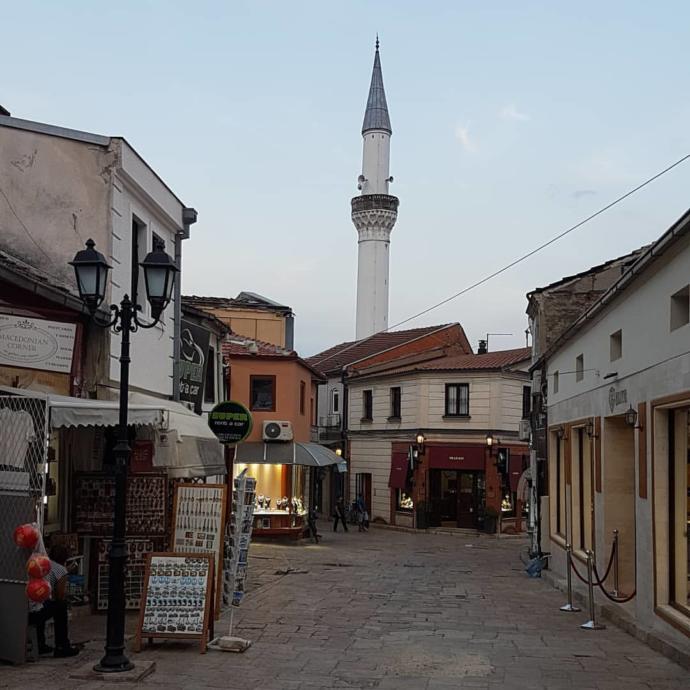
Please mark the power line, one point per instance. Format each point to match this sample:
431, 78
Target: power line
515, 262
542, 246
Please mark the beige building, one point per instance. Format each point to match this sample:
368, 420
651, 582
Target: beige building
252, 316
618, 389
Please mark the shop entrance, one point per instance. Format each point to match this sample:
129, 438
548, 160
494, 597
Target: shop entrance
457, 497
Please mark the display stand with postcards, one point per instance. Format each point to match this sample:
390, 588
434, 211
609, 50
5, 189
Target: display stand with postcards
177, 601
238, 538
198, 526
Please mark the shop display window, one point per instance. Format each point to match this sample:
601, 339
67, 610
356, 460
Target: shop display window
403, 500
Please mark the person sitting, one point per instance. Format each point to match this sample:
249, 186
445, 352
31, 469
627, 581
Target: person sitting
55, 607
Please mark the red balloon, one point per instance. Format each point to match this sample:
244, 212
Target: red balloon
38, 590
26, 536
38, 565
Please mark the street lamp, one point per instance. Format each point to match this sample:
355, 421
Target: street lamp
91, 270
339, 452
420, 439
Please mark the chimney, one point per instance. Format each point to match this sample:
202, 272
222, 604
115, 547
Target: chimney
4, 111
482, 349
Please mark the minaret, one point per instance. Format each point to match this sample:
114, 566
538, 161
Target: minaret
374, 212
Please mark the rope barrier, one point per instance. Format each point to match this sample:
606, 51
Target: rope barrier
572, 565
617, 600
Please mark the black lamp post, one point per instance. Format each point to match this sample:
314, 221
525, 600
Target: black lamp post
91, 270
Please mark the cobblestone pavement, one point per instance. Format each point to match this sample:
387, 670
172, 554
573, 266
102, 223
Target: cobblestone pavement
389, 610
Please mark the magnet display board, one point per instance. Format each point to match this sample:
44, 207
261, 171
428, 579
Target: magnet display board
199, 524
177, 602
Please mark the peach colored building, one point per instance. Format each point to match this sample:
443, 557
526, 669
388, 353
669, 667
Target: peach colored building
276, 385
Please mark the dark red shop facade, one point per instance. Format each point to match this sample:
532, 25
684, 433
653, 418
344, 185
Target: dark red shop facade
457, 484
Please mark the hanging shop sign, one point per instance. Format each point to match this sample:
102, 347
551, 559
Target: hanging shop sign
230, 421
177, 598
36, 343
193, 362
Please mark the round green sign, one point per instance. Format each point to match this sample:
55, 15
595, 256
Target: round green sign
230, 421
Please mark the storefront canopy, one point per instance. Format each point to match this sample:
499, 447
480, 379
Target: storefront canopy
308, 454
195, 452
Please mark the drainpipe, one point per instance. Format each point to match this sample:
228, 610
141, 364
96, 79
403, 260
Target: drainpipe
189, 216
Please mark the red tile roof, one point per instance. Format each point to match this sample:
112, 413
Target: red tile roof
338, 356
239, 345
491, 360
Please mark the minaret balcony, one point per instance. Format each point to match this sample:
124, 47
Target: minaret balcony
375, 202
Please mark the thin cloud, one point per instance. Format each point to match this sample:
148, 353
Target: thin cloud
579, 193
462, 134
510, 112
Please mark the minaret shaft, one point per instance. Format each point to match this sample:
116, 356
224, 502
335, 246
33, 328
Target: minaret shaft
374, 212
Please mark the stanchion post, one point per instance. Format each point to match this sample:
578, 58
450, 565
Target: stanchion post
591, 624
569, 607
615, 590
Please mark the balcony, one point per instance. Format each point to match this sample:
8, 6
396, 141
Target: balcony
330, 428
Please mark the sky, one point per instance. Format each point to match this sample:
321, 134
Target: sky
511, 122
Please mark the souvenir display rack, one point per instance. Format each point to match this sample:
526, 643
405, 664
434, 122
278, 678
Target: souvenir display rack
94, 504
177, 598
199, 524
238, 538
137, 553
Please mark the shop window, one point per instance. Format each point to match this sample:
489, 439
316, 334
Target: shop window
555, 382
680, 308
616, 345
395, 403
403, 500
210, 382
457, 400
557, 474
263, 393
582, 491
579, 367
679, 509
367, 405
302, 397
526, 401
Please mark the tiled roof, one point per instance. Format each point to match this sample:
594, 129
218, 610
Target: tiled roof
239, 346
491, 360
338, 356
245, 300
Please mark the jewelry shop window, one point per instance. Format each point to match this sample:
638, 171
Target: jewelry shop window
403, 500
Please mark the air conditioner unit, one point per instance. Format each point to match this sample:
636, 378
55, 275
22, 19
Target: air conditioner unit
524, 430
277, 431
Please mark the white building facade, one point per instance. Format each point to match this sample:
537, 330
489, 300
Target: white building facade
619, 438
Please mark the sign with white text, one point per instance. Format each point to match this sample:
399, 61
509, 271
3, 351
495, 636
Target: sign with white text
36, 343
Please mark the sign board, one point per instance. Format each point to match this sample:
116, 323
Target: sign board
199, 523
36, 343
194, 343
177, 598
230, 421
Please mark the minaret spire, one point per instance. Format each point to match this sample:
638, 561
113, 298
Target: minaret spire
376, 113
375, 211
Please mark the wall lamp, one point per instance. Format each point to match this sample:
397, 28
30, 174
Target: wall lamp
339, 452
589, 429
420, 439
561, 433
491, 442
631, 418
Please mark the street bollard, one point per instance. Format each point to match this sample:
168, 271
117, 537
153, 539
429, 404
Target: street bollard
614, 591
591, 624
569, 607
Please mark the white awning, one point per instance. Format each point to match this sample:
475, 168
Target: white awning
308, 454
195, 452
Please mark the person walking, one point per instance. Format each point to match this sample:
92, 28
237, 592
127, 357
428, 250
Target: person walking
311, 524
339, 514
362, 514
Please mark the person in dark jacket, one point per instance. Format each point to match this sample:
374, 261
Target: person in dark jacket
311, 525
339, 514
